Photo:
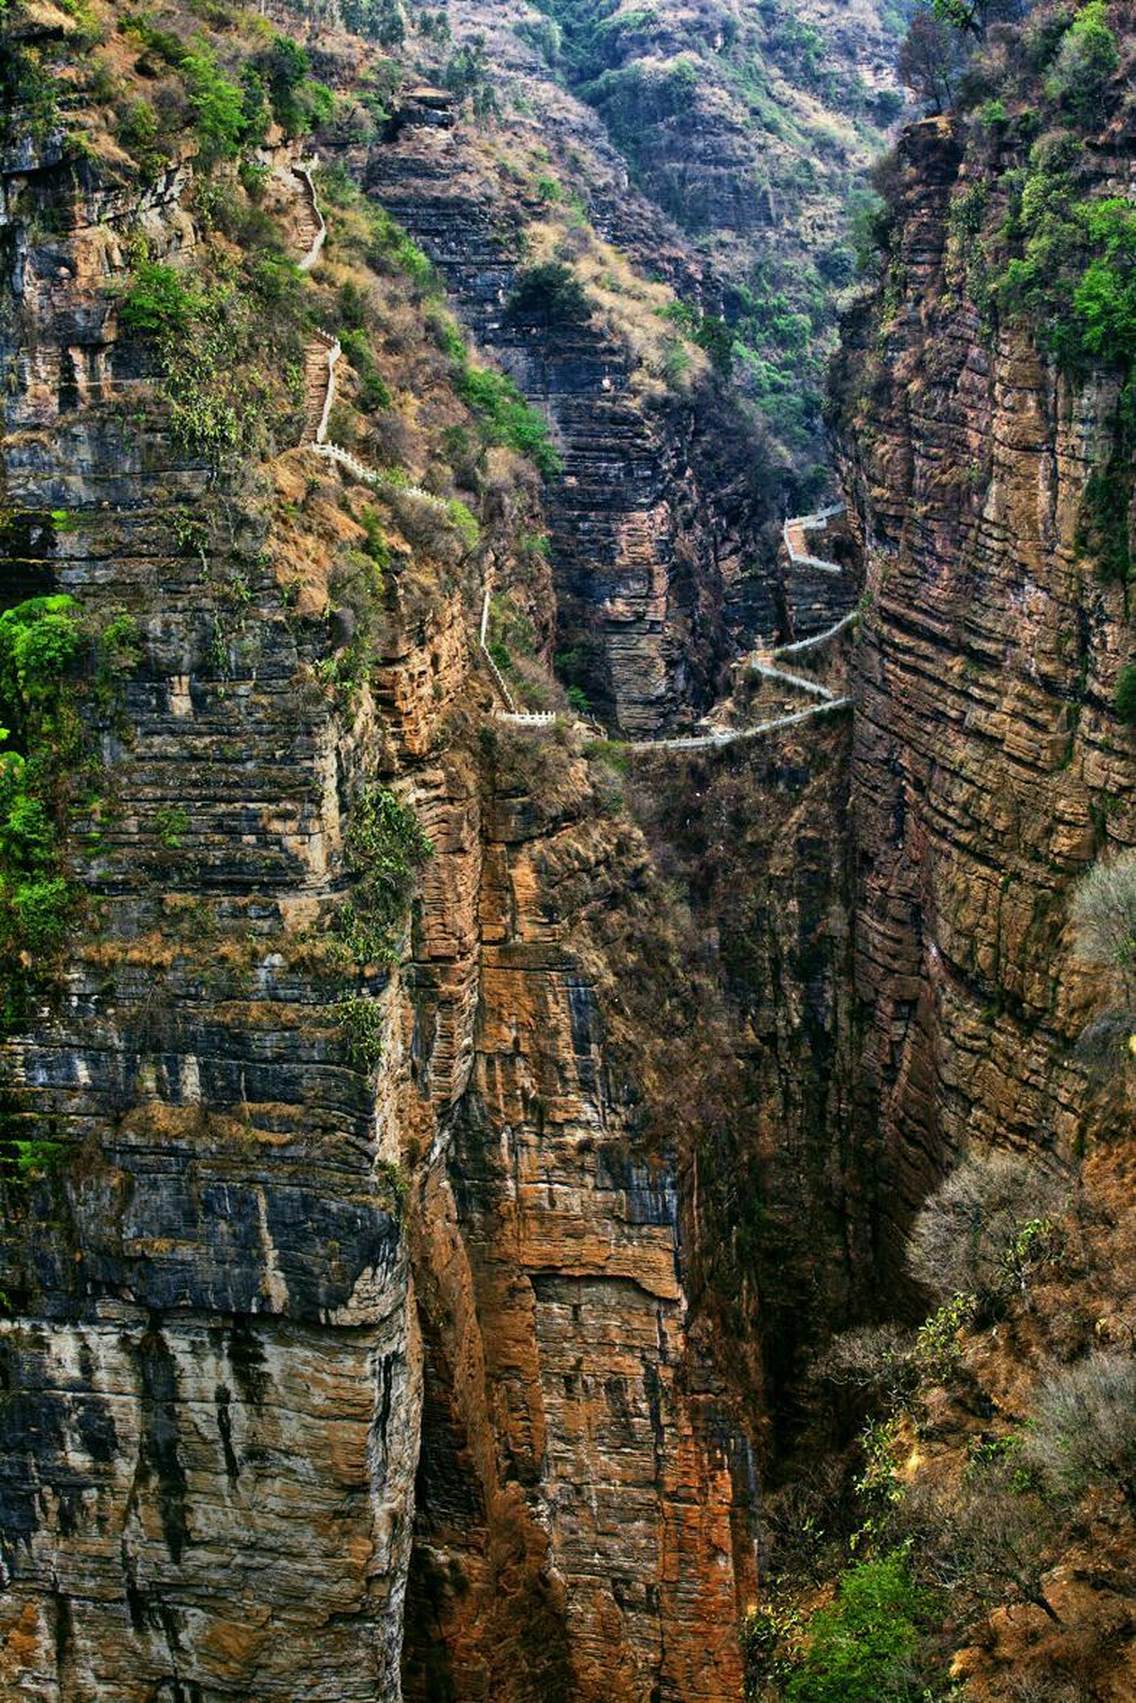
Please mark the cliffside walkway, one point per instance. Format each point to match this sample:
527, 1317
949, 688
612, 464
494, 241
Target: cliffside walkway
764, 662
321, 358
796, 535
313, 227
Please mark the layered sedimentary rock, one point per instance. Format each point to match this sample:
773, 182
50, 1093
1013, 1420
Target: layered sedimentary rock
989, 767
255, 1260
212, 1369
654, 518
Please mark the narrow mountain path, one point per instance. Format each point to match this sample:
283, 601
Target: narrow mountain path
320, 360
311, 226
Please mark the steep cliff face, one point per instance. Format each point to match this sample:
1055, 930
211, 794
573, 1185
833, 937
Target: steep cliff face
990, 767
982, 400
211, 1359
329, 1232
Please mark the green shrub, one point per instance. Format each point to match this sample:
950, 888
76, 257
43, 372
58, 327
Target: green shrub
219, 338
171, 824
937, 1353
38, 912
297, 102
378, 20
39, 642
505, 417
160, 302
360, 1022
866, 1644
768, 1635
376, 547
1124, 698
218, 105
373, 392
385, 847
551, 293
34, 1157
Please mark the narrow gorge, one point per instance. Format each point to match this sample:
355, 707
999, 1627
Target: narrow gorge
567, 852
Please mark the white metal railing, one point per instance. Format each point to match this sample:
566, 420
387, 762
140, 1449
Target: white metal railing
813, 688
733, 735
817, 639
803, 523
334, 351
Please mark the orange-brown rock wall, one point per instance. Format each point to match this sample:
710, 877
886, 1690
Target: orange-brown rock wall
989, 767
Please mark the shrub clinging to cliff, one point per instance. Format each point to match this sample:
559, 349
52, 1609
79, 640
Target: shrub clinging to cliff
1104, 917
987, 1227
385, 848
1083, 1430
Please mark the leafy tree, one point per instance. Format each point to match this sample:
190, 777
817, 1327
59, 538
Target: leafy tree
1087, 61
296, 101
1105, 298
379, 20
930, 59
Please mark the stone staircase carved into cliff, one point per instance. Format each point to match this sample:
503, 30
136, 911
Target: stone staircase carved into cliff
321, 359
312, 227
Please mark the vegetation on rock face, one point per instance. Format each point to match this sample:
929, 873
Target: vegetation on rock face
360, 1022
43, 643
987, 1228
1124, 699
870, 1642
1104, 916
385, 848
223, 331
1082, 1434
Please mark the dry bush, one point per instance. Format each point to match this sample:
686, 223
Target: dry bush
1083, 1432
989, 1536
875, 1359
1104, 917
987, 1227
1047, 1688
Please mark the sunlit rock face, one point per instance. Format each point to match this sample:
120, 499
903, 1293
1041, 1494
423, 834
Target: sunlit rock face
985, 744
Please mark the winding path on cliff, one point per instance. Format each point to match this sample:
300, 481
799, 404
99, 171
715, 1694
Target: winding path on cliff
320, 361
